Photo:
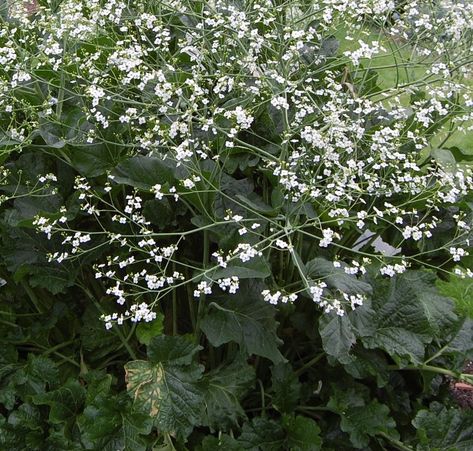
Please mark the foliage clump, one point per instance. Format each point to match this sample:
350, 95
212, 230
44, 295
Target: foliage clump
228, 220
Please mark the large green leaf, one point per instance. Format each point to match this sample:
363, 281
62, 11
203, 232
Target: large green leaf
246, 319
146, 331
144, 172
167, 387
408, 316
286, 388
262, 434
337, 336
256, 268
303, 434
336, 277
93, 160
110, 423
359, 418
51, 132
295, 433
65, 402
224, 388
23, 430
32, 379
444, 429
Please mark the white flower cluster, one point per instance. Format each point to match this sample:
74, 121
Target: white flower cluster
341, 147
277, 297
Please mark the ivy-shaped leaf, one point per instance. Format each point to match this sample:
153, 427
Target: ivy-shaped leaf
167, 386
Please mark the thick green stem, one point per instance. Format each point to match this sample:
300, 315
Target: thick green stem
309, 364
396, 443
174, 308
434, 369
201, 308
32, 295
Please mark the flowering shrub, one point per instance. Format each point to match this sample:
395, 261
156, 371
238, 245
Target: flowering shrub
256, 195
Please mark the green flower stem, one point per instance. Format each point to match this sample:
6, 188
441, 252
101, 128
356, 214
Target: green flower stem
309, 364
125, 342
201, 309
174, 307
36, 346
32, 295
263, 402
117, 329
8, 323
190, 300
434, 369
60, 96
396, 443
58, 346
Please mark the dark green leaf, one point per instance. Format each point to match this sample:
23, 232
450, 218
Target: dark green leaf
303, 434
444, 429
51, 132
256, 268
336, 278
110, 424
172, 350
94, 159
286, 388
146, 331
246, 319
144, 172
33, 378
256, 204
224, 388
167, 387
65, 402
409, 316
359, 419
262, 434
337, 336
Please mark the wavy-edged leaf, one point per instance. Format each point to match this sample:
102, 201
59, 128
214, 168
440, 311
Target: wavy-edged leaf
337, 278
337, 336
285, 387
65, 402
246, 319
359, 418
168, 386
443, 428
409, 316
224, 388
110, 423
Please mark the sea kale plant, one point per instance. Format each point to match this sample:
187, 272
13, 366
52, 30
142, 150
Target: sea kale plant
236, 224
